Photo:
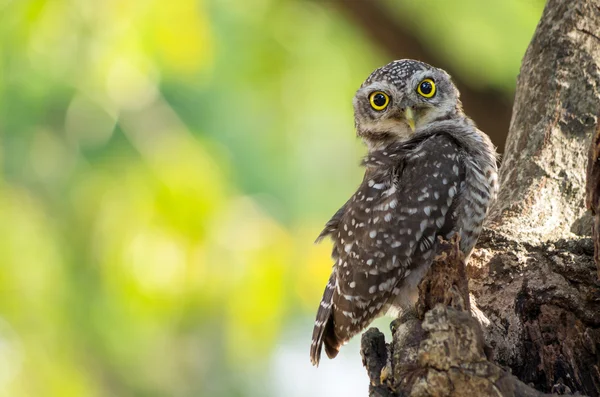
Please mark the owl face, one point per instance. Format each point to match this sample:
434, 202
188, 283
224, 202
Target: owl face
401, 98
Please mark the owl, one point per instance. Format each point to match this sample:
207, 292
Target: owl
429, 172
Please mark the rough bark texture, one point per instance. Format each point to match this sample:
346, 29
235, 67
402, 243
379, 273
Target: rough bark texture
533, 278
542, 303
556, 111
593, 193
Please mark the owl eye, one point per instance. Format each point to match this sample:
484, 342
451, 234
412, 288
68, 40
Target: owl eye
379, 100
426, 88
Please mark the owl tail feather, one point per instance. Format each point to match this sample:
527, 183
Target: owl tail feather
332, 343
323, 331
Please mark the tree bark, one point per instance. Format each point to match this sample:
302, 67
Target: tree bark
533, 280
593, 194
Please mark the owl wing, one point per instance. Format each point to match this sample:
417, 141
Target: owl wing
386, 230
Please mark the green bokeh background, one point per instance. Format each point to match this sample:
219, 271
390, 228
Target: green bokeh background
165, 168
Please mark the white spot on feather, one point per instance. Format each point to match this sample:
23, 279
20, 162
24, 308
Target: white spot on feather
452, 191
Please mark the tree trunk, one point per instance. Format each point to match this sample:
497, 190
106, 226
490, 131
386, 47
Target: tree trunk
533, 277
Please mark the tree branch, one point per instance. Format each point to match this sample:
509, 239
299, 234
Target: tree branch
441, 350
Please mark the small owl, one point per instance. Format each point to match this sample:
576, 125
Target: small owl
429, 172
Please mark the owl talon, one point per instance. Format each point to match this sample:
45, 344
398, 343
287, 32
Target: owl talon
386, 372
394, 325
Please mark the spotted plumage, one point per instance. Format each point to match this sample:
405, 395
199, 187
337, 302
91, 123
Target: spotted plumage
429, 172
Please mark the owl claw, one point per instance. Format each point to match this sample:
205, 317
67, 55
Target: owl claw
386, 373
395, 324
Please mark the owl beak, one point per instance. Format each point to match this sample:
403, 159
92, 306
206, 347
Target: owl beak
409, 115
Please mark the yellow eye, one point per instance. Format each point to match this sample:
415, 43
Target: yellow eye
379, 100
426, 88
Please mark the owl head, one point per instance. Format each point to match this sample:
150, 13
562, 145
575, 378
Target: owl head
400, 99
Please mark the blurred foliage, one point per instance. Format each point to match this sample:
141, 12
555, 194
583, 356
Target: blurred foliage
483, 41
165, 169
